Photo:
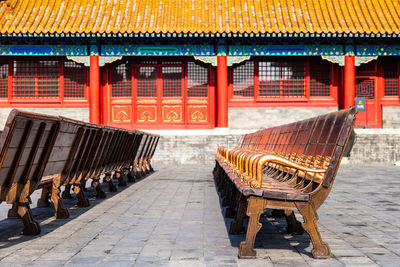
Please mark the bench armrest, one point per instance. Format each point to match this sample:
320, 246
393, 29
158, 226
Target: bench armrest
285, 162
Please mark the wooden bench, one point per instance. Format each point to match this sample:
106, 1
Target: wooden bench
39, 151
289, 167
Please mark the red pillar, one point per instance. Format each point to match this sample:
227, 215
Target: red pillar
349, 81
222, 91
94, 90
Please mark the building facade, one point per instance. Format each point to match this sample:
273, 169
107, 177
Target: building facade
201, 64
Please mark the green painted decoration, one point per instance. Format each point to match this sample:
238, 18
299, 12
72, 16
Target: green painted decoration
288, 50
161, 50
378, 50
43, 50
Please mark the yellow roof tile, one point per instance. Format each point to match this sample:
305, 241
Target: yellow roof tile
200, 16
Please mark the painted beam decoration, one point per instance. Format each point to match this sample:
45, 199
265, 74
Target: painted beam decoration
43, 50
162, 50
378, 50
358, 60
290, 50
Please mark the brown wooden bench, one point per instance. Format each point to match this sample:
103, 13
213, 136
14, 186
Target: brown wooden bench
39, 151
289, 167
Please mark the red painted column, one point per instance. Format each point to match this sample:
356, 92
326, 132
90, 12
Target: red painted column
349, 81
222, 91
94, 90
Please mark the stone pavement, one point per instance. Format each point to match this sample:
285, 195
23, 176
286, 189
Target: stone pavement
173, 218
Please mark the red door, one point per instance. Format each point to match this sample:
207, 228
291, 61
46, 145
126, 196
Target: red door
161, 94
158, 95
367, 87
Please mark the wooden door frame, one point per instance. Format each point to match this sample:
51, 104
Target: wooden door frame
377, 97
107, 99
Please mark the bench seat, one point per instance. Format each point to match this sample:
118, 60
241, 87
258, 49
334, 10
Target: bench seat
270, 189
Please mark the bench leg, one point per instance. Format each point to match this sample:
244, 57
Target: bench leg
226, 193
143, 167
61, 211
82, 200
13, 212
111, 186
150, 167
146, 166
30, 226
321, 249
237, 225
293, 225
67, 191
255, 208
220, 180
230, 210
130, 175
121, 179
43, 201
83, 183
96, 184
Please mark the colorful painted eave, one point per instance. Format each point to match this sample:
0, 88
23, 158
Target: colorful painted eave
200, 18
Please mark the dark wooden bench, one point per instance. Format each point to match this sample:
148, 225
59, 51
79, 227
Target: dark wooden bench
289, 167
39, 151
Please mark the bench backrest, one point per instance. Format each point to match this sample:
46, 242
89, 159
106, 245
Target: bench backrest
35, 147
26, 143
317, 142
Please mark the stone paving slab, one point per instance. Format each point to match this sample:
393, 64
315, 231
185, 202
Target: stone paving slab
174, 218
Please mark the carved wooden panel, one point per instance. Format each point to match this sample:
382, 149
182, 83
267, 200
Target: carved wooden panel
197, 113
121, 113
146, 113
172, 113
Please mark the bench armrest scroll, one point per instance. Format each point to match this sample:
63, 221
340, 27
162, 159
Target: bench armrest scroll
284, 162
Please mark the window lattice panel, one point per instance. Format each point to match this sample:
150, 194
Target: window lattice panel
243, 80
146, 81
48, 73
197, 76
121, 80
365, 87
281, 79
74, 80
36, 79
172, 81
24, 78
390, 72
319, 78
3, 78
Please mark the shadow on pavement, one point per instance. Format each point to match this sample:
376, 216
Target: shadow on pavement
272, 235
11, 229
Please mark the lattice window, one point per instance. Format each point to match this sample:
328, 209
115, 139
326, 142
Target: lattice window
74, 80
3, 78
243, 80
172, 81
269, 74
48, 73
293, 74
319, 78
146, 81
36, 79
121, 79
24, 78
197, 76
281, 79
365, 87
391, 77
148, 62
171, 62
